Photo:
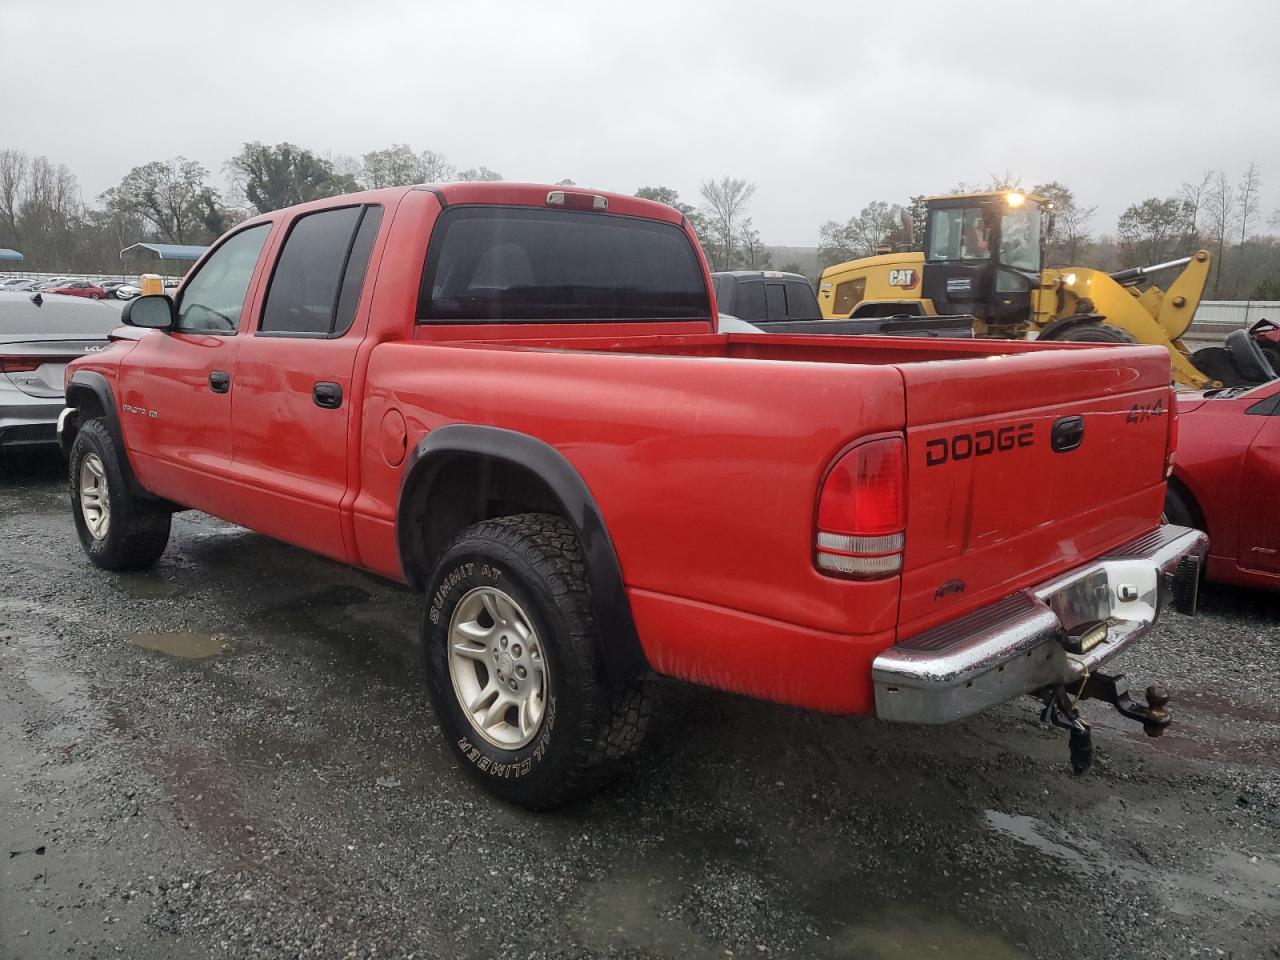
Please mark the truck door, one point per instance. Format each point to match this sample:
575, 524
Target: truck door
176, 387
1260, 527
291, 411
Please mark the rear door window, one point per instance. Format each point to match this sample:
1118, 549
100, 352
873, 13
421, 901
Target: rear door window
308, 277
489, 263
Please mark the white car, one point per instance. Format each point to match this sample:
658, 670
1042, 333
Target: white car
126, 291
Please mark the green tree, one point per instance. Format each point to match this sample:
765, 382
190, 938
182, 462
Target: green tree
278, 176
877, 225
480, 174
399, 166
672, 199
171, 198
1155, 230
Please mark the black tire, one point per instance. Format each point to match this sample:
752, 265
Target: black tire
137, 528
1272, 353
1096, 333
1251, 363
1178, 510
588, 721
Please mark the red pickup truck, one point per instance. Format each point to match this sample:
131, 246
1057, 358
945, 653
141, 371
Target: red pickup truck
515, 399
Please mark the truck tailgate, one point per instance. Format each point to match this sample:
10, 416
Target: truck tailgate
1022, 466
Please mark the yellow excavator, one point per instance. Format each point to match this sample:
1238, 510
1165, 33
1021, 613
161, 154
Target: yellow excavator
983, 255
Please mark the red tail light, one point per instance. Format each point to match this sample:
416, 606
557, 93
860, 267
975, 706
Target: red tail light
862, 511
21, 364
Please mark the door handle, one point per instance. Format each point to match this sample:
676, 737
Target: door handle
327, 394
219, 381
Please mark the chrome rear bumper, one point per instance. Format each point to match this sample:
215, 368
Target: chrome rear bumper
1019, 645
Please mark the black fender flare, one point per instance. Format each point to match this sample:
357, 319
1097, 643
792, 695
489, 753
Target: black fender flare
622, 653
94, 383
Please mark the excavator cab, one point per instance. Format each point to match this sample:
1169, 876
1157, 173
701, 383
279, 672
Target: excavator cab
983, 254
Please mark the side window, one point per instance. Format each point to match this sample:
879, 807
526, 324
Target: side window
801, 303
776, 300
214, 297
303, 295
848, 295
748, 300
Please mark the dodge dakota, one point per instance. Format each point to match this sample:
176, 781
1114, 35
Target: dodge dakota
516, 399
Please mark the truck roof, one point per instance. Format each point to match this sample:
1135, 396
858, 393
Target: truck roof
499, 193
766, 274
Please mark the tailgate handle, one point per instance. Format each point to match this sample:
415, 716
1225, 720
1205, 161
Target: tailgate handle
1068, 433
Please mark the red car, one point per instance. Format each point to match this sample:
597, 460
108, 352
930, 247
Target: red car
79, 288
517, 399
1225, 480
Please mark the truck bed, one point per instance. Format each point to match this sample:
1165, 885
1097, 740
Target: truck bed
738, 431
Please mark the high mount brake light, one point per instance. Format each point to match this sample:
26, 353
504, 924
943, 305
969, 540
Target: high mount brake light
577, 201
862, 511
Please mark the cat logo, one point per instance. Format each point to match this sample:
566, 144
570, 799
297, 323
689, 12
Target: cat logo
905, 278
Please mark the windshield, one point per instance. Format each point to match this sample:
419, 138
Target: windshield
1020, 237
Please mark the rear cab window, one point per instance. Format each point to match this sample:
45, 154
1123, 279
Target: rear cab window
493, 263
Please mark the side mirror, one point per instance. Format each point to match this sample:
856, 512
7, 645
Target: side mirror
154, 312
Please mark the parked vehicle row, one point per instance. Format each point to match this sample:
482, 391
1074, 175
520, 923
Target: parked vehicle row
518, 400
75, 287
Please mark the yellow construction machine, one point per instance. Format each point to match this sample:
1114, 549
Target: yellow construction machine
983, 256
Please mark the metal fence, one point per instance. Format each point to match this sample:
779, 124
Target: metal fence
1216, 318
133, 278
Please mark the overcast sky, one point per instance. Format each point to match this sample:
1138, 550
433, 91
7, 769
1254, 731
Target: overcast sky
824, 106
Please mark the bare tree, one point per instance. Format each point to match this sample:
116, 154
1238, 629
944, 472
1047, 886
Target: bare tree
14, 167
1070, 222
1219, 209
1247, 201
726, 202
1195, 195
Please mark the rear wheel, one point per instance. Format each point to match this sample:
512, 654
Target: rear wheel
1178, 510
118, 529
512, 659
1096, 333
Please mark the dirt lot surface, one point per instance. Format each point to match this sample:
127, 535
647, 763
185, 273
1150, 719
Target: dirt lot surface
231, 756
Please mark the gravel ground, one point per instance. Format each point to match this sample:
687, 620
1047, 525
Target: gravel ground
231, 756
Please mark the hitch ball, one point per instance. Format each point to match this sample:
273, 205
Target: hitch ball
1157, 698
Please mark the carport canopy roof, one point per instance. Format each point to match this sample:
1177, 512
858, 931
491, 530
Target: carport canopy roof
170, 251
7, 254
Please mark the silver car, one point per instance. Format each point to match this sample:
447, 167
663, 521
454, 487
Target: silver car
39, 336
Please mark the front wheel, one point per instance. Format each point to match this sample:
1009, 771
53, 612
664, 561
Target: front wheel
512, 659
118, 529
1096, 333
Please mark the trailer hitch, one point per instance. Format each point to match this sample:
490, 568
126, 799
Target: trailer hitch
1115, 691
1060, 711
